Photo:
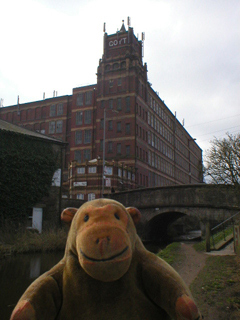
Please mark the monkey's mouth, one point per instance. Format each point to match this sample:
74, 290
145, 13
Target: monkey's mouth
104, 260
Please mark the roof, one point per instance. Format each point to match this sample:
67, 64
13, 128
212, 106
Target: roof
4, 125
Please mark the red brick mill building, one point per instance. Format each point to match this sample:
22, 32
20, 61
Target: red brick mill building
145, 145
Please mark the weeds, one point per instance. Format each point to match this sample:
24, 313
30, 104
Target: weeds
171, 253
22, 241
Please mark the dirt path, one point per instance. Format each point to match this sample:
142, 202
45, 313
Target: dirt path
192, 264
194, 261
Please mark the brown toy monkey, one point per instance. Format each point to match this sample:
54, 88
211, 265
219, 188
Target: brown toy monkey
106, 273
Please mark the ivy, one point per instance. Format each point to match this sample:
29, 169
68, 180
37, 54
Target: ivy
27, 166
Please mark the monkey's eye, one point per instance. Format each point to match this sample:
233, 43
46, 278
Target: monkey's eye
116, 216
86, 217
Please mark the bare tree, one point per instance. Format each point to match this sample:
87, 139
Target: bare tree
222, 160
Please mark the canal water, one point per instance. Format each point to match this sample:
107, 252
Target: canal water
17, 273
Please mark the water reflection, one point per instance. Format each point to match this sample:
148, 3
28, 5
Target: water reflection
17, 273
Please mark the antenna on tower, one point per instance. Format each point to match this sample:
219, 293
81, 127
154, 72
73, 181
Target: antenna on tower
18, 106
104, 27
1, 103
128, 21
143, 38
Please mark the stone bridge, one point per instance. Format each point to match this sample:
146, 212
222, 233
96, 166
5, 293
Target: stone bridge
161, 206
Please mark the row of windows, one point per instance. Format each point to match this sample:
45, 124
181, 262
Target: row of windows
56, 110
157, 180
142, 154
82, 155
156, 125
87, 117
158, 144
160, 112
119, 126
143, 134
90, 196
119, 148
88, 98
117, 104
115, 66
83, 136
55, 127
142, 113
161, 164
122, 173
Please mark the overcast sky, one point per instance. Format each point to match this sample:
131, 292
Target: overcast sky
192, 50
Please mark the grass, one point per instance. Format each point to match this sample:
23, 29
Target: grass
217, 287
23, 241
219, 236
171, 253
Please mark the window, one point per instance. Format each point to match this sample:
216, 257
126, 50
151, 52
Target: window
127, 129
91, 196
52, 127
101, 145
80, 99
60, 109
129, 175
77, 156
87, 116
108, 171
80, 196
127, 104
110, 125
119, 148
110, 103
88, 97
87, 136
79, 118
53, 110
110, 83
59, 126
120, 172
101, 123
119, 82
81, 170
92, 169
86, 154
102, 104
115, 66
119, 126
119, 104
127, 150
110, 147
78, 137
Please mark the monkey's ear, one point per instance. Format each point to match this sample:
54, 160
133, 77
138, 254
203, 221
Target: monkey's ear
135, 214
68, 214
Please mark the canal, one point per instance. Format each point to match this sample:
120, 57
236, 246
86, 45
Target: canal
16, 274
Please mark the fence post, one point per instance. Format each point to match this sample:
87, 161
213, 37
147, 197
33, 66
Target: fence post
208, 234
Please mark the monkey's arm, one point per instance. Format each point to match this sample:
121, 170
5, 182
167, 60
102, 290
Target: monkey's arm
166, 288
43, 298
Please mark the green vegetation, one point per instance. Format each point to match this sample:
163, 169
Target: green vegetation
25, 241
27, 168
217, 286
171, 253
201, 246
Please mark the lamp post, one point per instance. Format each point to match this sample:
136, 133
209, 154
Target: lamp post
104, 151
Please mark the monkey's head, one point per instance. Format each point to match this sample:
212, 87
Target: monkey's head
103, 236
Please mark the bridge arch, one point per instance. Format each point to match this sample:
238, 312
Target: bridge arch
157, 227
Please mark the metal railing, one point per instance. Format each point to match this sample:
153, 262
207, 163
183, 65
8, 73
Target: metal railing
223, 230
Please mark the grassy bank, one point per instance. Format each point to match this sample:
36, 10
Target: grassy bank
23, 241
171, 253
217, 288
